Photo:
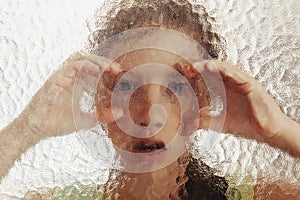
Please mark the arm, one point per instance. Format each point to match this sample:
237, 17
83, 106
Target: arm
14, 140
49, 113
276, 190
288, 138
251, 111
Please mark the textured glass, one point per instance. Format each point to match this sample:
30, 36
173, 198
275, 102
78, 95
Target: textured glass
262, 37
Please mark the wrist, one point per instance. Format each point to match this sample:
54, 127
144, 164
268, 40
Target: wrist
288, 137
40, 115
291, 136
50, 111
15, 139
33, 119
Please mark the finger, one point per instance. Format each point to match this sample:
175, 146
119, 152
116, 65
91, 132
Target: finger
229, 72
213, 81
76, 56
210, 75
114, 69
64, 82
217, 73
67, 77
102, 62
86, 66
188, 70
200, 66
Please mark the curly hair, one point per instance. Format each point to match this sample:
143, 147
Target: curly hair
190, 19
179, 15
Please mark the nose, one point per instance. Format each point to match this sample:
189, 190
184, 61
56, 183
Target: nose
156, 117
143, 106
147, 108
139, 106
144, 124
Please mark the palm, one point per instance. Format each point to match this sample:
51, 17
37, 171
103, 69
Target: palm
51, 107
251, 112
240, 116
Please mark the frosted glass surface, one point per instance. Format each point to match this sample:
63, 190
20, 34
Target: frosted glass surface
262, 37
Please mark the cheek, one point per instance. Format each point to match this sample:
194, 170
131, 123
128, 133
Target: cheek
173, 115
117, 136
173, 122
104, 108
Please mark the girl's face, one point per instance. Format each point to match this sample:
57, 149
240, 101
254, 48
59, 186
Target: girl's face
143, 88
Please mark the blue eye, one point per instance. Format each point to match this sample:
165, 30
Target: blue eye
125, 86
178, 87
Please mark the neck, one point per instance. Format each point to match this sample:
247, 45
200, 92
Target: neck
163, 183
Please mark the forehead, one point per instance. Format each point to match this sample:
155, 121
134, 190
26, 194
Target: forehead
167, 48
148, 56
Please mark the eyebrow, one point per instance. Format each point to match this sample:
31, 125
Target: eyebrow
169, 76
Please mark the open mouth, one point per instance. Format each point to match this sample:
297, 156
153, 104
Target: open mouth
146, 146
